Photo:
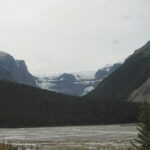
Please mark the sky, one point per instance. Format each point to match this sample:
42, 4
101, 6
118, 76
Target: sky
72, 35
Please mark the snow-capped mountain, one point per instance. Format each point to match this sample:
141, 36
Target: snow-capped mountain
15, 70
105, 71
77, 84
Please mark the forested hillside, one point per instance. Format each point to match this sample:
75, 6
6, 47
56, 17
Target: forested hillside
25, 106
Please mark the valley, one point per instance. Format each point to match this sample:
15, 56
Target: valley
85, 137
74, 75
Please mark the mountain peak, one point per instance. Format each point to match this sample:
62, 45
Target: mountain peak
4, 54
67, 76
15, 70
7, 61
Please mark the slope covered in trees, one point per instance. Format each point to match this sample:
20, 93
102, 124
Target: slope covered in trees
25, 106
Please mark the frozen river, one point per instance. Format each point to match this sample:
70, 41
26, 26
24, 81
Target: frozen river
52, 136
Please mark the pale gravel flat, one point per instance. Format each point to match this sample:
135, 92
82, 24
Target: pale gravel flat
87, 137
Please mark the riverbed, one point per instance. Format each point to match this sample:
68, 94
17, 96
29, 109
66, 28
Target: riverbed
87, 137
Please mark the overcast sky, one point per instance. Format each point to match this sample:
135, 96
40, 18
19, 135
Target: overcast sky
72, 35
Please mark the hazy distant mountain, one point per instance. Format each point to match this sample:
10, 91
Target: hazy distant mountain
130, 81
14, 70
105, 71
77, 84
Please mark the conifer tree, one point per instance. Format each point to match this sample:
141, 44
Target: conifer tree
143, 140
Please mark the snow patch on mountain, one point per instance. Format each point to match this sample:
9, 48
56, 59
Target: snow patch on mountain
87, 75
75, 83
87, 90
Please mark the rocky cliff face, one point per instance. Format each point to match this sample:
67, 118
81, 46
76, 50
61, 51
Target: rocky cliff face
15, 70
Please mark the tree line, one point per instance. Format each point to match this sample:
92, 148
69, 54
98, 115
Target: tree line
25, 106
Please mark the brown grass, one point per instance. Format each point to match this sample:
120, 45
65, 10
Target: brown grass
4, 147
7, 147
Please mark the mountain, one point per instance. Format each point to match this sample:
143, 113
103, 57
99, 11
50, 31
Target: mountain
67, 83
105, 71
76, 84
130, 81
27, 106
14, 70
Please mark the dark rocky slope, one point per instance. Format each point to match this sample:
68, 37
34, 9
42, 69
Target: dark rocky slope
129, 77
15, 70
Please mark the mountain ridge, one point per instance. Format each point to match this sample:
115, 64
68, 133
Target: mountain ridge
15, 70
132, 74
77, 84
